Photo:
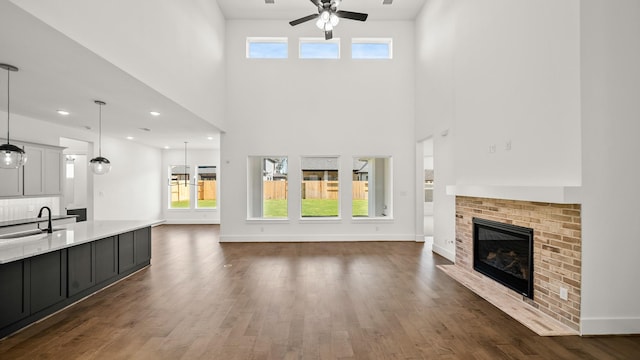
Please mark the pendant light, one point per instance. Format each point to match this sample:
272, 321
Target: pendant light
11, 156
100, 165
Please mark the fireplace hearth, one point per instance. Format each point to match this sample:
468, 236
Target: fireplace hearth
504, 252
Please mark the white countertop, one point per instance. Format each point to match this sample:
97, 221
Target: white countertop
73, 234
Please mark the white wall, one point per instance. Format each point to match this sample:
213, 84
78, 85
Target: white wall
194, 158
487, 74
134, 177
611, 113
131, 190
297, 107
176, 48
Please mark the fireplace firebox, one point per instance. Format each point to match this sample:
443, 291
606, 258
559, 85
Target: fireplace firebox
504, 252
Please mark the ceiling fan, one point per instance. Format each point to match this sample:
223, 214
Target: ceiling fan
328, 16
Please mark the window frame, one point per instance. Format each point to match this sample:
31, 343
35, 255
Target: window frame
339, 186
381, 40
318, 40
259, 39
255, 187
386, 194
169, 187
197, 186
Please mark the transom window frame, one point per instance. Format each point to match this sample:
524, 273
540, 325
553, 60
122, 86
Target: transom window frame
318, 40
261, 39
376, 40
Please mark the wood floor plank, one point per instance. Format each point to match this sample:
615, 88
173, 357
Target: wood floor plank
201, 299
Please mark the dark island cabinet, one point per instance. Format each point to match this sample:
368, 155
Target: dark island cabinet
48, 279
142, 246
80, 268
106, 259
14, 297
126, 257
35, 287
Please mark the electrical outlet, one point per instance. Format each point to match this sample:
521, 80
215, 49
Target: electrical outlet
507, 145
564, 294
492, 148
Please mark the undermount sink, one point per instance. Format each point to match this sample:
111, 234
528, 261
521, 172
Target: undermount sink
27, 233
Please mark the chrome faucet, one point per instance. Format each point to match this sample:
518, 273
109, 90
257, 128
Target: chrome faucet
49, 227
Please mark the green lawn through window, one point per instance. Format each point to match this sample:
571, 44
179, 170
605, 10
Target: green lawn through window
202, 204
312, 208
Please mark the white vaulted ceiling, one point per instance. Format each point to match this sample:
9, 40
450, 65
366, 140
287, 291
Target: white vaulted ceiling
293, 9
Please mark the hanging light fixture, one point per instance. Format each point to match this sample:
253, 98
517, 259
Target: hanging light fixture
100, 165
11, 156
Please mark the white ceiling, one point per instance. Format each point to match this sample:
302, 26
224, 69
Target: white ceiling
294, 9
58, 73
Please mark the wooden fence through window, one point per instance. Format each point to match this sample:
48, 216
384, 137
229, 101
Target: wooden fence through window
314, 189
206, 190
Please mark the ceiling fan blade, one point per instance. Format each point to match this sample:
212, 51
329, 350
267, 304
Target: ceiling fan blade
328, 35
303, 19
351, 15
316, 2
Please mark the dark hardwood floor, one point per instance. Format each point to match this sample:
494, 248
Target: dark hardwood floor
373, 300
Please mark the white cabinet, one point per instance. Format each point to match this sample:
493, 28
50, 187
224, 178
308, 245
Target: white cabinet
40, 176
34, 171
42, 171
10, 182
53, 171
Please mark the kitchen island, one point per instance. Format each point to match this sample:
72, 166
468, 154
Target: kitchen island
43, 273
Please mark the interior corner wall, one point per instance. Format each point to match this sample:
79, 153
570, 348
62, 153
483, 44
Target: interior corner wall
299, 107
610, 47
501, 96
176, 48
435, 112
195, 157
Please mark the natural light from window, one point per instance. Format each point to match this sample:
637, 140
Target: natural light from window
267, 48
364, 48
318, 48
320, 187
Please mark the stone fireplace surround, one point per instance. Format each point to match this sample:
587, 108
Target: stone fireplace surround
557, 254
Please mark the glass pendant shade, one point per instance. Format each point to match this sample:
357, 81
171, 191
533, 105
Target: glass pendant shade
11, 156
100, 165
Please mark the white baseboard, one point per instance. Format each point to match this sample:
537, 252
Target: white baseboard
444, 252
316, 237
192, 222
610, 326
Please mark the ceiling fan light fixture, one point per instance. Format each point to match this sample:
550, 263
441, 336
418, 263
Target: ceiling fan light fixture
328, 27
320, 24
325, 15
12, 157
334, 19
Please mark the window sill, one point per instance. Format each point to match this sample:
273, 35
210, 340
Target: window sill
372, 220
311, 220
268, 220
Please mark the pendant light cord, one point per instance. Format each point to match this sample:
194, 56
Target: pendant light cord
8, 104
186, 171
100, 130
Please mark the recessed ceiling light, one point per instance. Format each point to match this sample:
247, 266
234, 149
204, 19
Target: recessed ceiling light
62, 112
166, 147
145, 129
210, 138
129, 137
154, 113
